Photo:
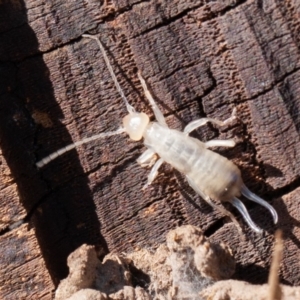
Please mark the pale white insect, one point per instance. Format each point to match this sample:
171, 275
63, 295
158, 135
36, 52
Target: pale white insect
211, 175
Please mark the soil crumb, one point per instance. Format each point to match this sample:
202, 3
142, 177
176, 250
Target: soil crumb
187, 266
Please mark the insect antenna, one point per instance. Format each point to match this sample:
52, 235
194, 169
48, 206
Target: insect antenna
129, 107
65, 149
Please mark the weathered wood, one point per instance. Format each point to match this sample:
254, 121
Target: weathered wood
23, 274
199, 58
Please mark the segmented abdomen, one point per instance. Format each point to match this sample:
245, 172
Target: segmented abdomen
214, 175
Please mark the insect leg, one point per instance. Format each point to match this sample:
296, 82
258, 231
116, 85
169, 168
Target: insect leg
153, 172
147, 159
157, 112
200, 122
220, 143
215, 206
239, 205
251, 196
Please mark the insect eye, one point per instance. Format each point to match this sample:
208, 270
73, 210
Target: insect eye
135, 125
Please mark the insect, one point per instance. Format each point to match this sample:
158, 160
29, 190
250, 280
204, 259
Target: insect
211, 175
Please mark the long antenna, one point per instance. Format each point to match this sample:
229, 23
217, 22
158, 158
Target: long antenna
130, 108
65, 149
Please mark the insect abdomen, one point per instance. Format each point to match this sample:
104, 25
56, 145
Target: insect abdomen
215, 175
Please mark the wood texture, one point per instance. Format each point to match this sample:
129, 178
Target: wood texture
23, 273
200, 58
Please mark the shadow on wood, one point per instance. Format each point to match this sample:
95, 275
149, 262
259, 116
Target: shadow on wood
58, 200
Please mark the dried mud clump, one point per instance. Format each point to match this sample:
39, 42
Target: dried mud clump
179, 269
240, 290
185, 265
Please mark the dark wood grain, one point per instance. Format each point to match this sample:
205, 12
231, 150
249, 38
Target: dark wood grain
23, 273
199, 58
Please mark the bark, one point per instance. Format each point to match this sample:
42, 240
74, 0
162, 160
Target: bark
199, 58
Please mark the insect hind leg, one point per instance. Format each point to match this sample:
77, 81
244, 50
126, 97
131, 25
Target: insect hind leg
200, 122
